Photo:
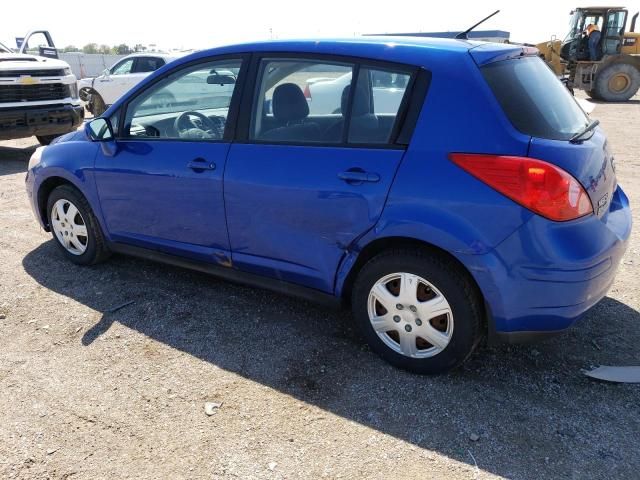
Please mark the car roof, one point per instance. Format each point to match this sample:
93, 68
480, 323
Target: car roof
402, 49
151, 54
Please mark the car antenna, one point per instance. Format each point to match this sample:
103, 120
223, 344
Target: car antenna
465, 35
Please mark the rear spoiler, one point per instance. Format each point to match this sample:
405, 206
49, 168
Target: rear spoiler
494, 52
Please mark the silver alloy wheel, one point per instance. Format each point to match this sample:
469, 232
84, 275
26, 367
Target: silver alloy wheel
410, 315
69, 227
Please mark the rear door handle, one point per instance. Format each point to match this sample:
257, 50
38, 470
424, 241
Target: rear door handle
358, 176
200, 164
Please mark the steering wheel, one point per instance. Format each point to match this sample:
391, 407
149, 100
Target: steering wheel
186, 127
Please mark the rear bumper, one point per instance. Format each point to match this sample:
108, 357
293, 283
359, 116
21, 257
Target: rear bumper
49, 120
546, 275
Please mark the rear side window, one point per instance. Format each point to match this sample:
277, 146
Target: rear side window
375, 105
304, 101
535, 101
147, 64
299, 101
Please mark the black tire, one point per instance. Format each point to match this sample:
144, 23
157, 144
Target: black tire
628, 81
594, 95
98, 105
46, 139
446, 276
96, 250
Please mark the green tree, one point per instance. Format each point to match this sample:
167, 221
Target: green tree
70, 48
122, 49
106, 49
139, 48
90, 48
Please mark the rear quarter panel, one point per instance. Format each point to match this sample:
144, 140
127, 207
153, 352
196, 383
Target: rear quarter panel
434, 200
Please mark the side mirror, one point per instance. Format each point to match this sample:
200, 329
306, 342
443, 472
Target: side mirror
221, 80
99, 130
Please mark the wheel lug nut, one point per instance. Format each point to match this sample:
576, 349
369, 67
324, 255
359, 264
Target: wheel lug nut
399, 306
407, 328
396, 319
413, 308
418, 322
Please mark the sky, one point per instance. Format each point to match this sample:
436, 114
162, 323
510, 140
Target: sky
201, 24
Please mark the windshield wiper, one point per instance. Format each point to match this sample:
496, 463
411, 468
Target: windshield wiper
589, 127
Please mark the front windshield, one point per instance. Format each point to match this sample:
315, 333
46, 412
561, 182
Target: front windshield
574, 21
579, 20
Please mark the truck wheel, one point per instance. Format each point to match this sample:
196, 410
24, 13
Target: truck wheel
98, 105
618, 82
417, 310
46, 139
594, 95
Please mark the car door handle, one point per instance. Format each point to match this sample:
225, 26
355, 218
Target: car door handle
200, 164
358, 176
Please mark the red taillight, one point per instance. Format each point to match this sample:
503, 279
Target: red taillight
307, 92
539, 186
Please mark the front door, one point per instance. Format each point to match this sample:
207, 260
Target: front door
162, 188
112, 85
302, 188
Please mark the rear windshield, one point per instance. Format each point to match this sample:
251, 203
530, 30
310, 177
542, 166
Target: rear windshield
535, 101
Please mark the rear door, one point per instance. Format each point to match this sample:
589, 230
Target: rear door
301, 187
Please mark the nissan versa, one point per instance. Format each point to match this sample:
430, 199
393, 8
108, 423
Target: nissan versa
482, 202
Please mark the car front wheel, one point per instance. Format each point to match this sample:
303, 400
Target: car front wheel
418, 310
74, 227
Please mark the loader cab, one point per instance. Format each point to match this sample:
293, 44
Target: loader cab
611, 23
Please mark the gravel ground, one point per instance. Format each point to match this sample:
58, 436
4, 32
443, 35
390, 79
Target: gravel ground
92, 393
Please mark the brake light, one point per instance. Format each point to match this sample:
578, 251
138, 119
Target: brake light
537, 185
307, 92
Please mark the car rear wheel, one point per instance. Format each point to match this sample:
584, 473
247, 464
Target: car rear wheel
418, 310
74, 227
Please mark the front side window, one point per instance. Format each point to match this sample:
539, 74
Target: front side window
190, 104
299, 101
122, 68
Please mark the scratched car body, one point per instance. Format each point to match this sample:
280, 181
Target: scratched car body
483, 202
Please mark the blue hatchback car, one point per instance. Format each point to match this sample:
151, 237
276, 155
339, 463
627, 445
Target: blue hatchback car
444, 189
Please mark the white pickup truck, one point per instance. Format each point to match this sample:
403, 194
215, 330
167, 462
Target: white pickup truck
38, 92
112, 83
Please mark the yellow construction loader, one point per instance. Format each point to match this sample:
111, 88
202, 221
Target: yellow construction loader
608, 66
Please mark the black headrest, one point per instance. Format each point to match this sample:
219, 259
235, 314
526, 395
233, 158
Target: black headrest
288, 103
360, 102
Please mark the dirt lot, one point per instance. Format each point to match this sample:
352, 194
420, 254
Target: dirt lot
89, 393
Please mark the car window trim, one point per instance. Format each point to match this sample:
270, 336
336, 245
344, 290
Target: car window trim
234, 105
346, 126
249, 96
414, 102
